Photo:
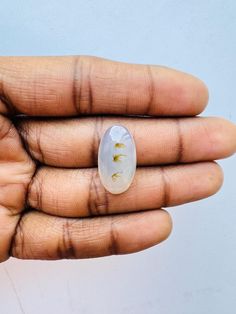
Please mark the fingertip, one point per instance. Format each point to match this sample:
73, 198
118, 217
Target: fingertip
215, 177
191, 93
197, 94
203, 95
166, 225
159, 224
224, 137
229, 137
144, 230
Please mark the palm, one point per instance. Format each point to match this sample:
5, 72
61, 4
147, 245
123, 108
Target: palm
52, 202
16, 171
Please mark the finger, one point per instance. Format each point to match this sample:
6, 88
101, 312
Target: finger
79, 193
74, 143
40, 236
65, 86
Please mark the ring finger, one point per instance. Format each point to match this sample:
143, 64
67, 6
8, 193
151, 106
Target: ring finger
79, 193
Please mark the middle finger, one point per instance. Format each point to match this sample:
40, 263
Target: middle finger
74, 142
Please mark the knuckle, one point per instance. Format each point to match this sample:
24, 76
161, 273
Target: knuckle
113, 247
82, 85
98, 199
151, 90
97, 133
65, 248
180, 141
31, 134
18, 248
166, 192
35, 191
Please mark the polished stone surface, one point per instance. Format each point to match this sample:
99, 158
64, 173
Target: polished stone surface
117, 159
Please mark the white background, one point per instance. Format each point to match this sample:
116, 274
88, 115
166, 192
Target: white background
194, 271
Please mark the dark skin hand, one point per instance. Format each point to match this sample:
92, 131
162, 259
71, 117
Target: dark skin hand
53, 112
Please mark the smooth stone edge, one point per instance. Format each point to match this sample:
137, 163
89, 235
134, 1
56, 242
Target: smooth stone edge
135, 155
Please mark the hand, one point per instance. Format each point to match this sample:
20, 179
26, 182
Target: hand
53, 113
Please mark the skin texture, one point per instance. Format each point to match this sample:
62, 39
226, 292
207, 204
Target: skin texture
53, 112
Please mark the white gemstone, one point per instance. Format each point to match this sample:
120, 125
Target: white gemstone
117, 159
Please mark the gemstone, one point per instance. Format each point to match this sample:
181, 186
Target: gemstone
117, 159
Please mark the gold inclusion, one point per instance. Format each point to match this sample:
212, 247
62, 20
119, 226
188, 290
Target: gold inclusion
119, 145
117, 157
115, 176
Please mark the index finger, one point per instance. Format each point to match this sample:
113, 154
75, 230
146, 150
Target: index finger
80, 85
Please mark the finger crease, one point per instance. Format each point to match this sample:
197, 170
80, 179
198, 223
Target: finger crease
67, 250
38, 186
113, 247
151, 90
166, 188
98, 203
38, 141
76, 86
90, 91
180, 147
17, 244
92, 191
98, 125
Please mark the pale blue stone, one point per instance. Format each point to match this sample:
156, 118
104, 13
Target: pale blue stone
117, 159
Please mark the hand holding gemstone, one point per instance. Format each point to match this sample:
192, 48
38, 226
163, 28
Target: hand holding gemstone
71, 129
